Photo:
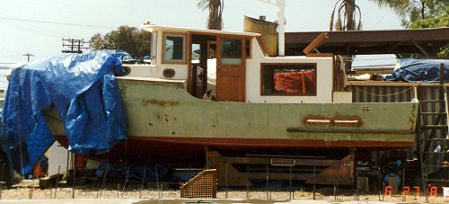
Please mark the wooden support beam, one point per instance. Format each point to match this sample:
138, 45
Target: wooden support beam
423, 51
227, 175
320, 55
327, 171
305, 170
267, 161
315, 43
278, 176
342, 174
285, 156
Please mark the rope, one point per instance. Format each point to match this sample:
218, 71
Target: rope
391, 94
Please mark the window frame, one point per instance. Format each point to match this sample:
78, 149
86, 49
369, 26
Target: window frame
185, 50
154, 39
248, 51
273, 66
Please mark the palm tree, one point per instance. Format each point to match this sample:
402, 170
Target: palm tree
215, 20
346, 14
347, 11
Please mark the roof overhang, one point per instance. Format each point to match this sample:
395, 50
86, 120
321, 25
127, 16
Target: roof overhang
423, 41
152, 28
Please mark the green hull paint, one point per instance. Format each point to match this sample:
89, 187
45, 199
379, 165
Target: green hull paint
161, 109
164, 110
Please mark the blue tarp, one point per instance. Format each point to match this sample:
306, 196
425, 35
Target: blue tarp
420, 70
81, 88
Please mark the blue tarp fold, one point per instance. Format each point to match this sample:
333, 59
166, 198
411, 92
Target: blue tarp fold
420, 70
81, 88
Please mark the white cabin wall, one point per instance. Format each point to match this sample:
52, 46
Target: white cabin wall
155, 71
253, 78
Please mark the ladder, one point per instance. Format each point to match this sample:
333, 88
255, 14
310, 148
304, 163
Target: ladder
433, 139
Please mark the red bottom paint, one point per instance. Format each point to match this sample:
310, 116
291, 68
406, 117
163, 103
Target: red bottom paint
187, 150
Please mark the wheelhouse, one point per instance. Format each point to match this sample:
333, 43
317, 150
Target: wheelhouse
234, 66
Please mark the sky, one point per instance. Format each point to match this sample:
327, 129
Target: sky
37, 27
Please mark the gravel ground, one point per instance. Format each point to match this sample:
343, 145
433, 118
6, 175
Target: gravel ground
25, 191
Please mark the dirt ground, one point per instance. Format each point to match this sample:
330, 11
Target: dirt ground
30, 190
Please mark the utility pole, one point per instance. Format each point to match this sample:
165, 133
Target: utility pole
28, 55
71, 45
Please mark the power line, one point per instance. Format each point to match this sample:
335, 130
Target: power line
26, 26
42, 30
54, 22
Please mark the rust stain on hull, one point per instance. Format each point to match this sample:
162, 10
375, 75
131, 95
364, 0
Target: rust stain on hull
159, 102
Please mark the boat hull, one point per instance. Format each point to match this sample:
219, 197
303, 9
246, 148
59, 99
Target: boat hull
166, 122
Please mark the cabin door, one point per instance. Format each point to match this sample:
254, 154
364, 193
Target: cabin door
231, 63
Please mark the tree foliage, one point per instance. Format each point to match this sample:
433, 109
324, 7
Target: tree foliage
412, 11
418, 14
129, 39
215, 7
442, 20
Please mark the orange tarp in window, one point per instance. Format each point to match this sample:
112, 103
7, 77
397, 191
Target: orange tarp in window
293, 82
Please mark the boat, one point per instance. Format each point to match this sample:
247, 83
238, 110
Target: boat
227, 100
260, 103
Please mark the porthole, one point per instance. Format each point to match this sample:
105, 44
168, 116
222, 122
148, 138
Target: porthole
169, 72
127, 70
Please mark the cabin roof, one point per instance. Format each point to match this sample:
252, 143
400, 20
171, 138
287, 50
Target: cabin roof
152, 28
422, 41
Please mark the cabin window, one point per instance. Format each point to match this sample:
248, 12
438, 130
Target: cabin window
231, 52
196, 52
289, 79
153, 48
174, 48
